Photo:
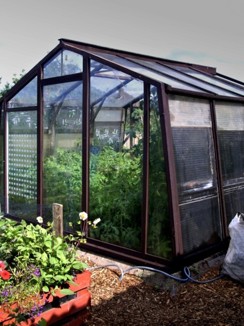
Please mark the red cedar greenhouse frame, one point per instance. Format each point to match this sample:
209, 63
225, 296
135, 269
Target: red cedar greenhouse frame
172, 79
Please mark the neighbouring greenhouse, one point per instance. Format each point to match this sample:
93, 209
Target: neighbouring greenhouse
153, 147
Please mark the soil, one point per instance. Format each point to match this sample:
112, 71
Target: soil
132, 301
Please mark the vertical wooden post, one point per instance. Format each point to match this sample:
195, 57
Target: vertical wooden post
58, 224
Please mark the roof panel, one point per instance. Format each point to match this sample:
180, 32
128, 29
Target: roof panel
144, 71
222, 87
185, 77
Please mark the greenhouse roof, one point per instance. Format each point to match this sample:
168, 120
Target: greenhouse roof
174, 74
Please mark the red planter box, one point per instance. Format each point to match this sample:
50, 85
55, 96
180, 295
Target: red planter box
72, 310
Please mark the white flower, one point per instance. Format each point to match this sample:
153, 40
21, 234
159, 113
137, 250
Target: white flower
83, 216
39, 219
96, 221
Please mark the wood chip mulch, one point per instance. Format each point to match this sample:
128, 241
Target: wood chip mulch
134, 302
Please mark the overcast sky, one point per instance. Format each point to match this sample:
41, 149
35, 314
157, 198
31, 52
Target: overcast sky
209, 32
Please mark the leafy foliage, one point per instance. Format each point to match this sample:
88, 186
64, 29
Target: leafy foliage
159, 233
62, 181
36, 245
5, 88
115, 188
33, 260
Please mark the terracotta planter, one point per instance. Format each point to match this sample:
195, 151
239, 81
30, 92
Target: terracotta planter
62, 310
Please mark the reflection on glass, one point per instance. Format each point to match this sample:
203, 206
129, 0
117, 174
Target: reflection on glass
230, 125
62, 149
27, 97
116, 129
22, 164
195, 170
159, 233
65, 63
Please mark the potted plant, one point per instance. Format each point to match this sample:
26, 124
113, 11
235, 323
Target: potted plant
42, 279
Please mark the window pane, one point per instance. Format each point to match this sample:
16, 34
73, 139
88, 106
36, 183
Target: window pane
27, 97
65, 63
195, 170
116, 159
192, 133
159, 233
63, 106
22, 164
200, 223
62, 149
230, 124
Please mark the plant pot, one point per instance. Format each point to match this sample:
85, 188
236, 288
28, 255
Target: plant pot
65, 310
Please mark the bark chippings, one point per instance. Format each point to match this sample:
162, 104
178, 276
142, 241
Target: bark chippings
134, 302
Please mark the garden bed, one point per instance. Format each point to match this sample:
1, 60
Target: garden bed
134, 302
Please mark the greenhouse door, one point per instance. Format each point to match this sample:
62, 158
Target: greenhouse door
62, 149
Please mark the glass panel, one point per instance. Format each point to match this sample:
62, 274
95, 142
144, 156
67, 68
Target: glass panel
116, 161
26, 97
200, 223
62, 149
111, 87
146, 72
185, 78
64, 63
159, 233
234, 83
22, 164
230, 125
195, 163
213, 81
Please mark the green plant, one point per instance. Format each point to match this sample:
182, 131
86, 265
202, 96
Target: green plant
115, 193
159, 228
62, 181
34, 261
116, 184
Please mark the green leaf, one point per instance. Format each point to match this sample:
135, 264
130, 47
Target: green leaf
42, 322
45, 288
48, 243
44, 257
61, 256
53, 260
59, 277
66, 292
79, 265
59, 240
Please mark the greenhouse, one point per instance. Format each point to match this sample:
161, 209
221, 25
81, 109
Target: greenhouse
153, 147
